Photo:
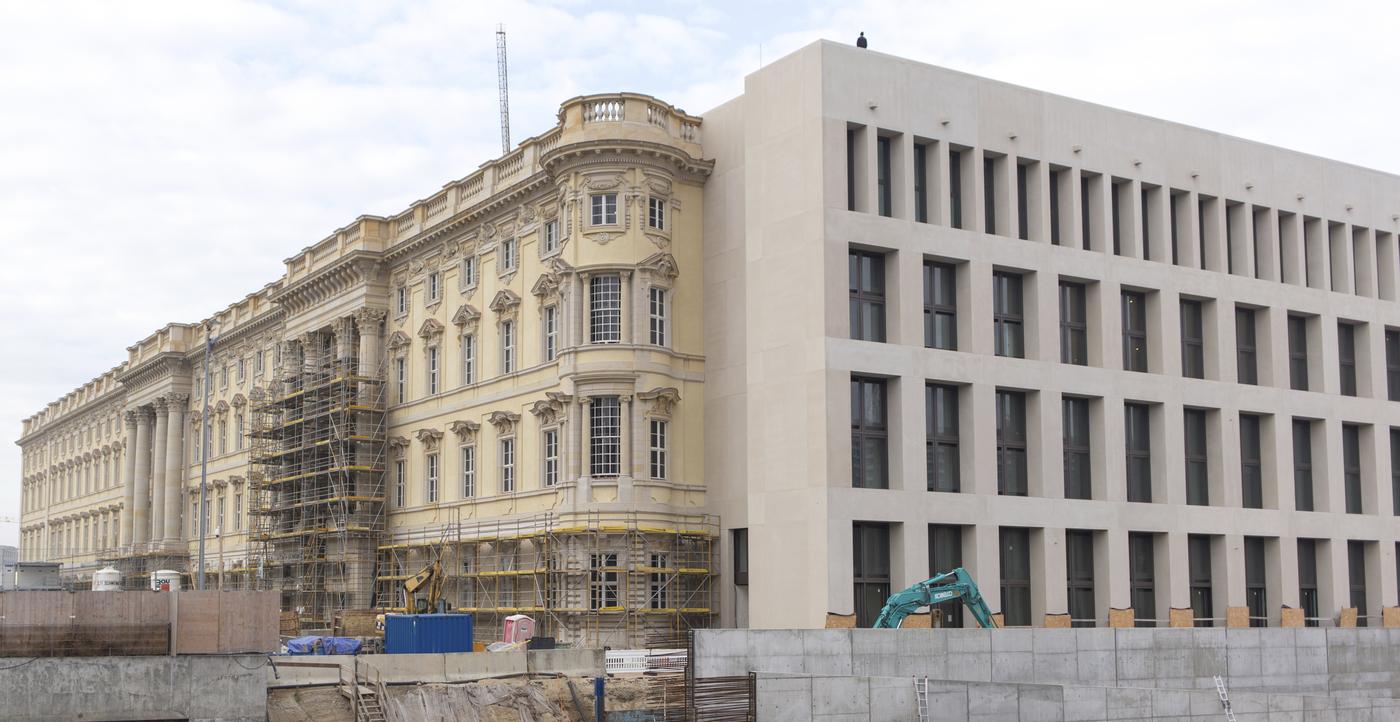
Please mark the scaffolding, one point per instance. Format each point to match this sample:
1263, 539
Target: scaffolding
317, 486
588, 578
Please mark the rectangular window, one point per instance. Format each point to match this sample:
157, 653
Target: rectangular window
921, 182
1256, 595
400, 483
656, 581
656, 315
1395, 470
869, 434
1307, 580
401, 300
1302, 465
551, 332
432, 370
1078, 468
1246, 346
1008, 315
1251, 462
989, 195
507, 347
551, 236
941, 429
432, 478
1346, 357
605, 309
656, 448
1057, 176
1142, 575
549, 444
1134, 331
434, 286
238, 432
1079, 577
468, 272
1016, 576
870, 570
867, 286
1137, 427
1023, 209
1351, 466
1197, 471
507, 465
741, 556
1086, 226
238, 512
1202, 593
1074, 324
882, 174
1193, 341
605, 436
401, 379
603, 581
955, 200
1392, 364
940, 306
468, 358
945, 555
508, 254
468, 471
241, 365
1356, 578
259, 362
604, 209
656, 213
1298, 353
851, 140
1011, 443
223, 437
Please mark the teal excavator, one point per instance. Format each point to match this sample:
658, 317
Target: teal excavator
945, 587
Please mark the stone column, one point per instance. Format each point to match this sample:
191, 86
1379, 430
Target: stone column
625, 283
158, 471
174, 467
311, 349
140, 515
128, 476
344, 330
368, 321
584, 467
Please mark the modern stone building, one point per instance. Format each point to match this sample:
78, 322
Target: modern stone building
885, 320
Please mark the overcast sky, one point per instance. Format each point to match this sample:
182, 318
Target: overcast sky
159, 160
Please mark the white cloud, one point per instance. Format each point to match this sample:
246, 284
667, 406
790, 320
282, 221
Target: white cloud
159, 159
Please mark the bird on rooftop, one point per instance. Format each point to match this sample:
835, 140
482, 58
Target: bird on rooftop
860, 41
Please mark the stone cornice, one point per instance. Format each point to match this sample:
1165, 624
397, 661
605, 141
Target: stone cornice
239, 334
447, 227
619, 151
159, 367
354, 268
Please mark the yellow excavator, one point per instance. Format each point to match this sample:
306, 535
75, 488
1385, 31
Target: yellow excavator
430, 581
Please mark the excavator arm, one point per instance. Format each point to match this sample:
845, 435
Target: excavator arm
946, 587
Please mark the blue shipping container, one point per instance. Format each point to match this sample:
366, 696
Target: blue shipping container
427, 633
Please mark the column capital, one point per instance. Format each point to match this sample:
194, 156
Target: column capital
130, 416
369, 316
177, 401
160, 406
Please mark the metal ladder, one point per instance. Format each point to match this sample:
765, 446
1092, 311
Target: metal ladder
1224, 698
921, 697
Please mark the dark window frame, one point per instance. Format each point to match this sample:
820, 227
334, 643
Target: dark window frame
1346, 357
1138, 458
1307, 581
1196, 440
944, 555
868, 431
870, 569
884, 191
1074, 323
1142, 579
1246, 346
1079, 577
1200, 578
1304, 487
1256, 590
1193, 342
1014, 546
942, 441
1013, 479
1078, 447
1298, 353
940, 305
1251, 461
866, 276
1009, 314
1351, 468
1135, 348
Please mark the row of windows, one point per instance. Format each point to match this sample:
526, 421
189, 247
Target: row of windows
1202, 434
1084, 551
604, 457
1154, 223
1010, 320
605, 305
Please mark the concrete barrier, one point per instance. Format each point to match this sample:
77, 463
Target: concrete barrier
438, 668
1363, 662
213, 687
807, 698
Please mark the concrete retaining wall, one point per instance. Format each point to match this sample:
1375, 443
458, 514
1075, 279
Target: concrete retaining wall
217, 687
810, 698
441, 668
1364, 662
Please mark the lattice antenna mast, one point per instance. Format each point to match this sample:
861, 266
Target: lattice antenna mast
503, 86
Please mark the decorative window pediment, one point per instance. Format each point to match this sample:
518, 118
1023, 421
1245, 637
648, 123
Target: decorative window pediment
663, 400
660, 267
547, 285
466, 317
398, 341
464, 430
429, 438
550, 410
257, 394
431, 329
504, 421
221, 407
239, 401
504, 302
398, 443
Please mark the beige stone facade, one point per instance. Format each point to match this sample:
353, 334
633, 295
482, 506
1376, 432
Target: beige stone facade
507, 376
888, 319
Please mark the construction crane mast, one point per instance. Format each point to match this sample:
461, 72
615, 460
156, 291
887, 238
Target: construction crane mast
503, 86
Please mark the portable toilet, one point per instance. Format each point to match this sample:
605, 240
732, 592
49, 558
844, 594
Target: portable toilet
519, 628
107, 579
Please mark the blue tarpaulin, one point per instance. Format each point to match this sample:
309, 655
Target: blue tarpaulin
323, 645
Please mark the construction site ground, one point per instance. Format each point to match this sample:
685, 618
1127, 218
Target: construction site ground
539, 699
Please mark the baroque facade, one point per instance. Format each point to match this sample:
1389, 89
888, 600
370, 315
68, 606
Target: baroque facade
504, 378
